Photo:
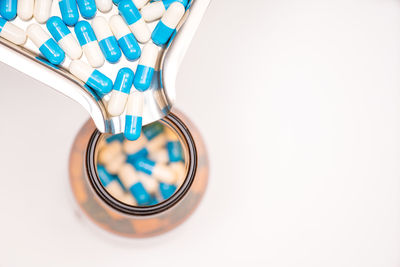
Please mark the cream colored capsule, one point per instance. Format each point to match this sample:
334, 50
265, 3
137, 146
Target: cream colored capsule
42, 10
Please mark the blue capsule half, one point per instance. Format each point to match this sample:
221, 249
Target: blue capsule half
167, 3
8, 9
175, 152
124, 80
139, 192
161, 34
133, 127
129, 47
54, 54
144, 165
69, 12
153, 130
129, 11
87, 8
143, 77
100, 82
115, 137
167, 190
111, 51
84, 33
57, 28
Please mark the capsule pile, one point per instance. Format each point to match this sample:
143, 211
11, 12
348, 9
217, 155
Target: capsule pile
82, 42
142, 172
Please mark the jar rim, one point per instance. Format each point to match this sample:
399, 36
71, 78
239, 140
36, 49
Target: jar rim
95, 183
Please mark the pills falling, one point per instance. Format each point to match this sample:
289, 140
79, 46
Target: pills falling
125, 169
81, 36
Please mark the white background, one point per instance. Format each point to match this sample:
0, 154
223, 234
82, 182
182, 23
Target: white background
299, 103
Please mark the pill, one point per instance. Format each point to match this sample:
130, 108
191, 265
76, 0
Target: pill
130, 179
133, 117
145, 69
109, 152
166, 26
158, 170
140, 3
69, 11
149, 183
110, 183
47, 46
107, 42
91, 77
87, 8
11, 32
126, 40
134, 20
8, 9
141, 153
64, 37
25, 9
121, 89
155, 10
167, 190
88, 41
104, 5
41, 10
155, 136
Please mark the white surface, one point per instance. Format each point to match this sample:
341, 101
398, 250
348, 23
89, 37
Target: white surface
302, 123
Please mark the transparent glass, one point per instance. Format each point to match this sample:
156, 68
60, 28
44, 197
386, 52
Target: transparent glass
133, 220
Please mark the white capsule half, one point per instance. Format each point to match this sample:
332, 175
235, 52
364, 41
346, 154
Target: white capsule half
25, 9
164, 174
153, 11
93, 54
134, 107
71, 46
128, 175
104, 5
12, 33
128, 199
81, 70
42, 10
140, 3
117, 103
109, 152
180, 171
115, 164
131, 147
101, 28
118, 26
115, 189
149, 183
160, 155
140, 31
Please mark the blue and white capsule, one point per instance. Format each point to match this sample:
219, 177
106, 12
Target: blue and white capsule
130, 180
120, 93
90, 46
167, 25
91, 77
47, 46
107, 42
25, 9
41, 10
146, 67
155, 10
11, 32
8, 9
134, 114
126, 40
69, 12
134, 20
87, 8
113, 187
64, 37
159, 171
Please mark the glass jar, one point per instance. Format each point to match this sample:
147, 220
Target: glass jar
138, 221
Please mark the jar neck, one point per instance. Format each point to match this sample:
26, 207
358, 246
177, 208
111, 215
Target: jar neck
188, 143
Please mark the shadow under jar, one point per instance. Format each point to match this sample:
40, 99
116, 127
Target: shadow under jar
127, 220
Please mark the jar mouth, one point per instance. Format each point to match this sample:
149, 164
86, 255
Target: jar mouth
175, 123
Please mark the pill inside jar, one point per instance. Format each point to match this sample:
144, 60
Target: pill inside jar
144, 172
